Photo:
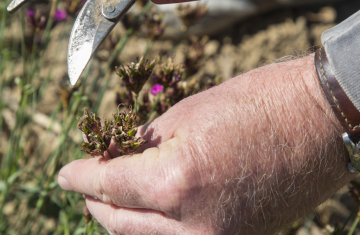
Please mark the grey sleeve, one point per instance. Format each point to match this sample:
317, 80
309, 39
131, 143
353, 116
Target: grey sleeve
342, 46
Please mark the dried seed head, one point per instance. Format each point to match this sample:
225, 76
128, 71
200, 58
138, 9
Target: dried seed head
121, 130
194, 55
189, 14
36, 19
154, 25
135, 75
168, 74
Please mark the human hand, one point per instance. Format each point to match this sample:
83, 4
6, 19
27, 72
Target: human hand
247, 156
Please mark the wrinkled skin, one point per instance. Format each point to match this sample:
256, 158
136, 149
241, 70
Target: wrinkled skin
247, 157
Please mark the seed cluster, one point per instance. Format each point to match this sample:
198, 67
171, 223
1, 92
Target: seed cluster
121, 130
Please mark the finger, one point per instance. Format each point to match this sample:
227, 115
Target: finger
171, 1
137, 181
132, 221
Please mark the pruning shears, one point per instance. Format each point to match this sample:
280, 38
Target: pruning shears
95, 21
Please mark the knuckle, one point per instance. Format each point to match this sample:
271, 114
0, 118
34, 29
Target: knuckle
175, 180
102, 189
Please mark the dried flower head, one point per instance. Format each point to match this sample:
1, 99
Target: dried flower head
95, 141
124, 130
121, 130
194, 55
36, 19
135, 75
124, 97
86, 214
154, 25
189, 14
167, 74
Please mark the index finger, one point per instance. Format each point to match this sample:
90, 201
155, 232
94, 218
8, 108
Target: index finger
137, 181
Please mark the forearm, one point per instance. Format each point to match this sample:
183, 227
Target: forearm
292, 157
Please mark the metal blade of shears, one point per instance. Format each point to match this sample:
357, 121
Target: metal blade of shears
94, 22
15, 4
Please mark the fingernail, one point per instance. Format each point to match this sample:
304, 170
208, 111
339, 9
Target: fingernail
64, 184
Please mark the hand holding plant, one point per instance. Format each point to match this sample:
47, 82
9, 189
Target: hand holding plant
238, 158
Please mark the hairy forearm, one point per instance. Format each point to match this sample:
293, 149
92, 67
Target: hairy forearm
294, 157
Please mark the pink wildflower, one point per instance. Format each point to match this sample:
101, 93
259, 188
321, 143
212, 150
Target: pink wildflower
60, 15
156, 89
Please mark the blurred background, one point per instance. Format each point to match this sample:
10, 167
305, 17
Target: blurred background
203, 45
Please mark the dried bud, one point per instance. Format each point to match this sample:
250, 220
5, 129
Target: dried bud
154, 25
124, 97
189, 14
121, 130
194, 55
96, 139
167, 74
87, 215
124, 130
36, 19
135, 75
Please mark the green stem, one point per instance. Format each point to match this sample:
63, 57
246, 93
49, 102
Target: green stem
154, 105
354, 225
135, 103
148, 47
348, 218
23, 49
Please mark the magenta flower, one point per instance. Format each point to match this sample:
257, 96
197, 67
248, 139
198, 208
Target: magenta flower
156, 89
60, 15
30, 14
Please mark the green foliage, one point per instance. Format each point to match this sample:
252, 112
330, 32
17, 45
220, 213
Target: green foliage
31, 202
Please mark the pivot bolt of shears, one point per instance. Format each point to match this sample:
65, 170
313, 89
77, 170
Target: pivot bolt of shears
110, 9
114, 9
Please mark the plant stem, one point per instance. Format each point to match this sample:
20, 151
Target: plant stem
135, 102
107, 149
154, 105
354, 225
148, 47
348, 218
